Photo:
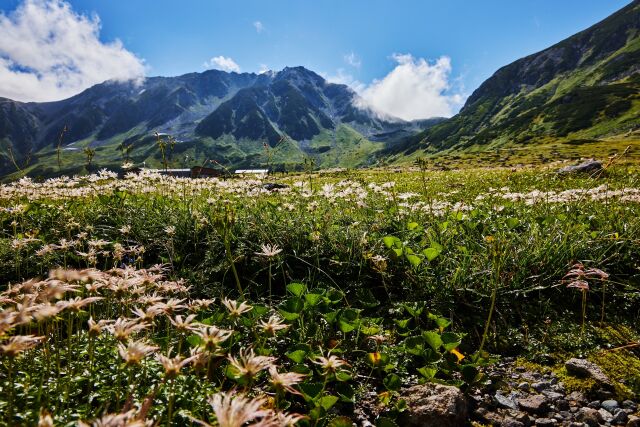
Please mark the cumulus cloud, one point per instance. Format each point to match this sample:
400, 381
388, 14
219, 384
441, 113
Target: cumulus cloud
49, 52
263, 68
222, 63
259, 26
414, 89
353, 60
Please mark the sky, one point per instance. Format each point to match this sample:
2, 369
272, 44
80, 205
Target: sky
409, 58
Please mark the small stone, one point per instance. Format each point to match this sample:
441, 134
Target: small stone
584, 368
536, 404
504, 402
562, 405
511, 422
523, 418
576, 424
576, 396
589, 416
546, 422
565, 415
594, 405
539, 386
524, 386
609, 405
629, 404
620, 418
552, 395
606, 415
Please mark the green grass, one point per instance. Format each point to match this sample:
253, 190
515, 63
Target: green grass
407, 256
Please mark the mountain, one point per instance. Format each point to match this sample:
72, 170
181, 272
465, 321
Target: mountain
235, 119
580, 90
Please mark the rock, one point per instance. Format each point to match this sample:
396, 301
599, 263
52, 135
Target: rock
609, 405
542, 385
536, 404
584, 368
524, 386
587, 166
434, 405
576, 396
633, 421
511, 422
562, 405
620, 418
274, 186
504, 402
629, 404
594, 405
552, 395
589, 416
523, 418
546, 422
606, 415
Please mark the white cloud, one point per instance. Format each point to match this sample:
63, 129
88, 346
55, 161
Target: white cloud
259, 26
264, 68
343, 78
222, 63
414, 89
353, 60
49, 52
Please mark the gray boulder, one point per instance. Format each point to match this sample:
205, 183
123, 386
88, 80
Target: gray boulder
434, 405
584, 368
588, 166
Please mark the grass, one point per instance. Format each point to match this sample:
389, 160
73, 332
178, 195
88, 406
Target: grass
391, 271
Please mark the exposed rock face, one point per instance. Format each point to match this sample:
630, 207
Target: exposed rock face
434, 405
584, 368
588, 166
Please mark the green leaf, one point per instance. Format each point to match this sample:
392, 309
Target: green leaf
414, 260
343, 376
296, 289
194, 340
431, 253
293, 305
313, 299
392, 382
345, 391
428, 372
391, 241
385, 422
366, 298
346, 326
513, 223
311, 390
450, 340
433, 339
327, 402
402, 323
288, 316
397, 251
341, 422
412, 226
297, 355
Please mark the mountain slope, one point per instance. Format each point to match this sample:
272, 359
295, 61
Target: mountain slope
228, 117
585, 87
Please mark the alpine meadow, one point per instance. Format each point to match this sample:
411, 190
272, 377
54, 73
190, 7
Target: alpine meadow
431, 238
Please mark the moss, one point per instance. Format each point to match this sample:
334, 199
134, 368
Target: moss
623, 367
571, 383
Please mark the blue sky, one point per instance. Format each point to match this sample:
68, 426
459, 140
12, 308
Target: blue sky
348, 41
